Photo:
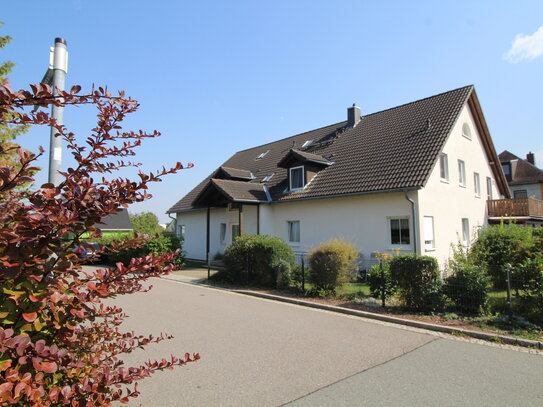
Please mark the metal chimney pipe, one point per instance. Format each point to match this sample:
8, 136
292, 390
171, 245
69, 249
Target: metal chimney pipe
58, 62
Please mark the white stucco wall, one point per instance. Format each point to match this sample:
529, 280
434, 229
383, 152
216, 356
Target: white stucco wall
448, 202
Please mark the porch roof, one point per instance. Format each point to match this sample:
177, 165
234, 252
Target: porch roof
219, 192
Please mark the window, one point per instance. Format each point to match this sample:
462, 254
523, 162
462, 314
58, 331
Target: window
465, 231
477, 184
293, 231
235, 231
461, 173
443, 167
296, 178
262, 155
399, 231
506, 167
429, 239
466, 131
521, 193
181, 231
223, 233
488, 188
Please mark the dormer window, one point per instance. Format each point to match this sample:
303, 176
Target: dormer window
262, 155
296, 178
307, 143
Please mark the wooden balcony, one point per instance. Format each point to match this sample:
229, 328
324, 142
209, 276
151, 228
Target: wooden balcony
515, 207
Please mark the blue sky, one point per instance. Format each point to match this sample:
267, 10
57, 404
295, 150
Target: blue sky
216, 77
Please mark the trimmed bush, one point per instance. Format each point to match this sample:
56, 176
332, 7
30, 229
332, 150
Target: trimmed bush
259, 259
331, 264
468, 288
418, 280
499, 245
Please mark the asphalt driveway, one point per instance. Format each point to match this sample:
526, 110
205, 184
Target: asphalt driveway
259, 352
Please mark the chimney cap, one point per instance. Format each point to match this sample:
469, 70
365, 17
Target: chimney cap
61, 40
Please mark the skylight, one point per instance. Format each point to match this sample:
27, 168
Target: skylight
262, 155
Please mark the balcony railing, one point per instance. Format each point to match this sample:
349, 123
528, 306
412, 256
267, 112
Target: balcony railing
515, 207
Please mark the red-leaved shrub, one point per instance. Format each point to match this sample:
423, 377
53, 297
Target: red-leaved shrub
60, 344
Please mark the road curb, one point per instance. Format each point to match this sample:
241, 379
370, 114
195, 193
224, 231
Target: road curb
417, 324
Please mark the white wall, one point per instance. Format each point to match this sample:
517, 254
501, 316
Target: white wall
362, 220
448, 202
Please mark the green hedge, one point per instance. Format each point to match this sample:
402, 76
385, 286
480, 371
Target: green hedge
259, 259
418, 280
468, 288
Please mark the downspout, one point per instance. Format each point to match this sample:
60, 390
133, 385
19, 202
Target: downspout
415, 221
174, 222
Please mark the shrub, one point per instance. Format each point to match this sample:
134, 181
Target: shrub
375, 281
499, 245
60, 342
259, 259
527, 279
331, 264
418, 280
468, 288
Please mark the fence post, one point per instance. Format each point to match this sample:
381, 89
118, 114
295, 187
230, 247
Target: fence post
382, 269
508, 281
303, 274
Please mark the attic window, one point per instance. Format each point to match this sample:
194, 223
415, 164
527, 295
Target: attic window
466, 131
262, 155
268, 177
296, 175
307, 143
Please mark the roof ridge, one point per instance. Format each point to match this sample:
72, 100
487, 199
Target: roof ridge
420, 100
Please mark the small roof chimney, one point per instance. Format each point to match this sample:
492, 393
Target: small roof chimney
530, 158
353, 116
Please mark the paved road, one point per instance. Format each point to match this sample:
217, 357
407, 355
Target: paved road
257, 352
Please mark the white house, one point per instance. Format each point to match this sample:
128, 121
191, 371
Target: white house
414, 178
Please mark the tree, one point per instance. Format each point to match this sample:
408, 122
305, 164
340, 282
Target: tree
145, 223
59, 343
8, 132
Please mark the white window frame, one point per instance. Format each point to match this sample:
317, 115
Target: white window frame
466, 131
488, 188
429, 234
477, 184
465, 232
181, 231
444, 167
290, 178
399, 218
222, 233
462, 173
290, 224
232, 225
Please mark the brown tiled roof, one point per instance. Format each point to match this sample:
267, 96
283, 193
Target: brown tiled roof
237, 173
388, 150
522, 171
239, 191
304, 156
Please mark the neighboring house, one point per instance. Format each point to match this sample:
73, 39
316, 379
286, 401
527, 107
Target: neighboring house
117, 222
524, 178
526, 184
414, 178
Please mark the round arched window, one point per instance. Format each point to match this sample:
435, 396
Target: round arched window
466, 131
